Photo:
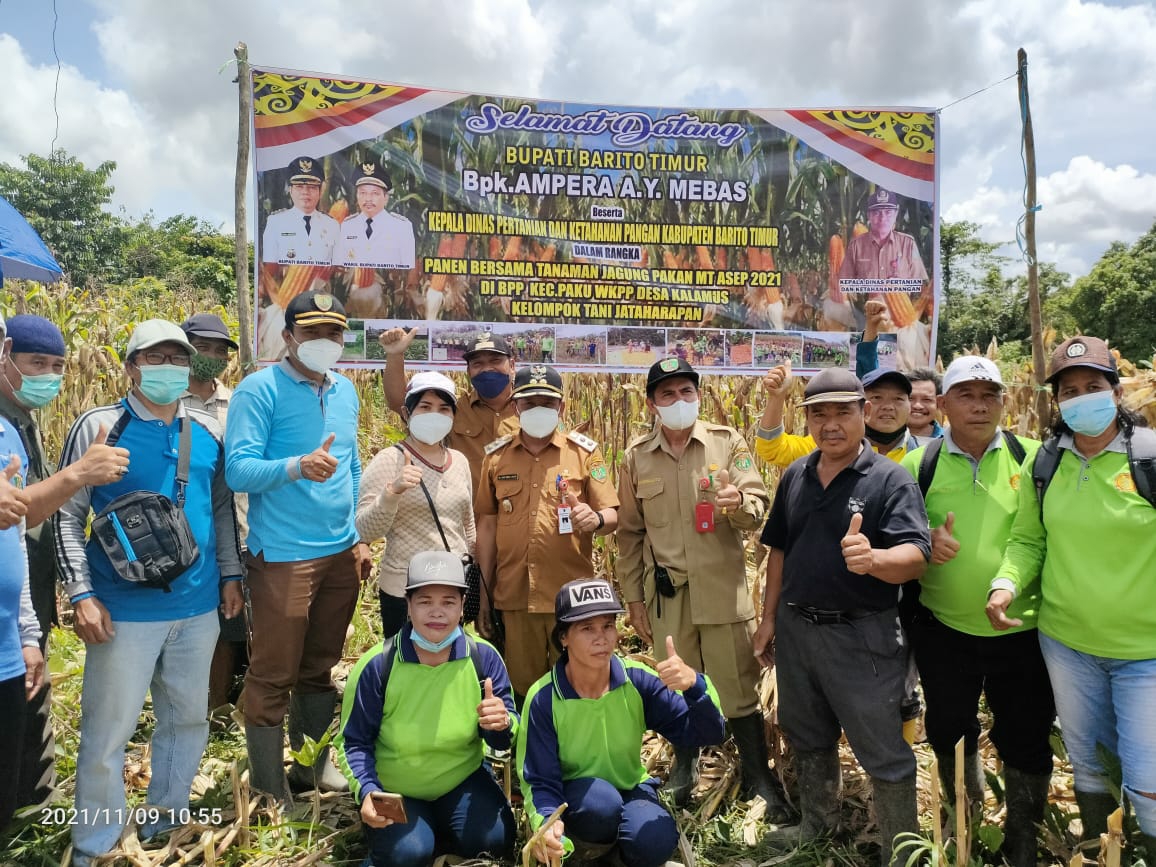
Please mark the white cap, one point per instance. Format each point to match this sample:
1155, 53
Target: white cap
971, 368
430, 380
155, 331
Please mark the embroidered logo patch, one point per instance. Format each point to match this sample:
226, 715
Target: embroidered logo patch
598, 473
743, 462
1014, 481
1125, 483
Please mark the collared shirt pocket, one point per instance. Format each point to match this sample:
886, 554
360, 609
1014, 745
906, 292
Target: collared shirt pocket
655, 507
509, 494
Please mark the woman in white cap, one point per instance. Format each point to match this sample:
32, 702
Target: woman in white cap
418, 712
409, 489
581, 736
1087, 526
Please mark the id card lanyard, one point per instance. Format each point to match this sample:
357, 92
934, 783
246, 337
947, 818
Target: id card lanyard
565, 527
704, 508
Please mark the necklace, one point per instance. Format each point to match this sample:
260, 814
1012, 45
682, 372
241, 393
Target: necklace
440, 468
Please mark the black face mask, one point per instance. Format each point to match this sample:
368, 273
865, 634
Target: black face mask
886, 440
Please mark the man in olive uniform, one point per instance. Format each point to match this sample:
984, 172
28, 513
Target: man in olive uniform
485, 414
542, 497
301, 235
690, 493
375, 237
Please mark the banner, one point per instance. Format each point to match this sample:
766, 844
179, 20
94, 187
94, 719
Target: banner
594, 237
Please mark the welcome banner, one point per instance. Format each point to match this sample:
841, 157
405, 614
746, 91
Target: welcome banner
594, 237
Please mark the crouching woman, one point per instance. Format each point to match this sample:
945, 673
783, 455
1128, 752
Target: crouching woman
580, 741
417, 714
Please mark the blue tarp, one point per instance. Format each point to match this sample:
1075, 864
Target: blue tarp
23, 255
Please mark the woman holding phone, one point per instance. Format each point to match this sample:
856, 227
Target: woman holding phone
418, 712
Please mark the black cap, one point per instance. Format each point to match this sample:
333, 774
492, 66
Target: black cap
883, 200
892, 376
585, 598
833, 385
669, 368
372, 174
487, 341
306, 170
537, 379
314, 308
208, 325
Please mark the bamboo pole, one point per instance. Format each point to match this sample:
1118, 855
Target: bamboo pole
1035, 313
240, 220
962, 812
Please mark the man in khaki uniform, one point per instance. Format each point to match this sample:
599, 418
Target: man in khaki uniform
485, 414
542, 497
882, 253
690, 493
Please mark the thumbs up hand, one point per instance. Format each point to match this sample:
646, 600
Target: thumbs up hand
582, 517
944, 545
101, 464
13, 500
492, 712
728, 498
857, 551
409, 477
675, 673
319, 465
395, 341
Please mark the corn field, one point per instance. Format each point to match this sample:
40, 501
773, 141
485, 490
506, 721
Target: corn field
326, 830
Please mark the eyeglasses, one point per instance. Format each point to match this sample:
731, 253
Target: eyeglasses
180, 359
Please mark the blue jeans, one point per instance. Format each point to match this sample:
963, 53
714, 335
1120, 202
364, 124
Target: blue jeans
599, 813
472, 818
171, 659
1110, 702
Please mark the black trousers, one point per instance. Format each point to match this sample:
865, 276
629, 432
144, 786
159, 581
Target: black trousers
394, 613
12, 721
956, 668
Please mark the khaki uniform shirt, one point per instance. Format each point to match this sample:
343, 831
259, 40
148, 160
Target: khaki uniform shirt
534, 560
476, 426
656, 520
897, 257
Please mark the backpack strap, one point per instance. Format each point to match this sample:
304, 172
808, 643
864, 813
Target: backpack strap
389, 651
1044, 468
1141, 445
927, 464
1014, 446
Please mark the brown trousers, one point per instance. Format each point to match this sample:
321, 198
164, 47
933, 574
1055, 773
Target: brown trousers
301, 611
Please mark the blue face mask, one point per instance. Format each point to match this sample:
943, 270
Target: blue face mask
490, 383
163, 383
431, 646
36, 391
1089, 414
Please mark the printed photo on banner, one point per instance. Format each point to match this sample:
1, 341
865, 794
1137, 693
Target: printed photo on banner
655, 232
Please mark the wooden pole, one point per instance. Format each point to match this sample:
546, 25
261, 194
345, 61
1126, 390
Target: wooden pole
1039, 363
241, 231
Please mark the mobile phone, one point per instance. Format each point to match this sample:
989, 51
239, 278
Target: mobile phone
390, 805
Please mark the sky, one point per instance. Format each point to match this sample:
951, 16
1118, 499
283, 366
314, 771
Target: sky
150, 84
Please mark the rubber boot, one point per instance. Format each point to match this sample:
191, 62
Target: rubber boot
895, 813
266, 749
820, 786
751, 740
1095, 808
680, 782
972, 781
312, 714
1027, 796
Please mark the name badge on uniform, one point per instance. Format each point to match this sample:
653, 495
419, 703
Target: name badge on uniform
704, 517
564, 525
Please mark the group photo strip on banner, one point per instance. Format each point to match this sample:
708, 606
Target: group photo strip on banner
594, 237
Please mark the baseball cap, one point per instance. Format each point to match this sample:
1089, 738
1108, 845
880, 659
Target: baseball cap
893, 376
314, 308
487, 341
372, 174
585, 598
668, 368
430, 380
443, 568
883, 199
208, 325
833, 385
537, 379
1081, 351
154, 331
306, 170
971, 368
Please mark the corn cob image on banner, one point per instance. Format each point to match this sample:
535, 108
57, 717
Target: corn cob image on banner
594, 237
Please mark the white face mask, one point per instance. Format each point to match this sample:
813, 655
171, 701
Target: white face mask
539, 422
679, 415
430, 427
319, 355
